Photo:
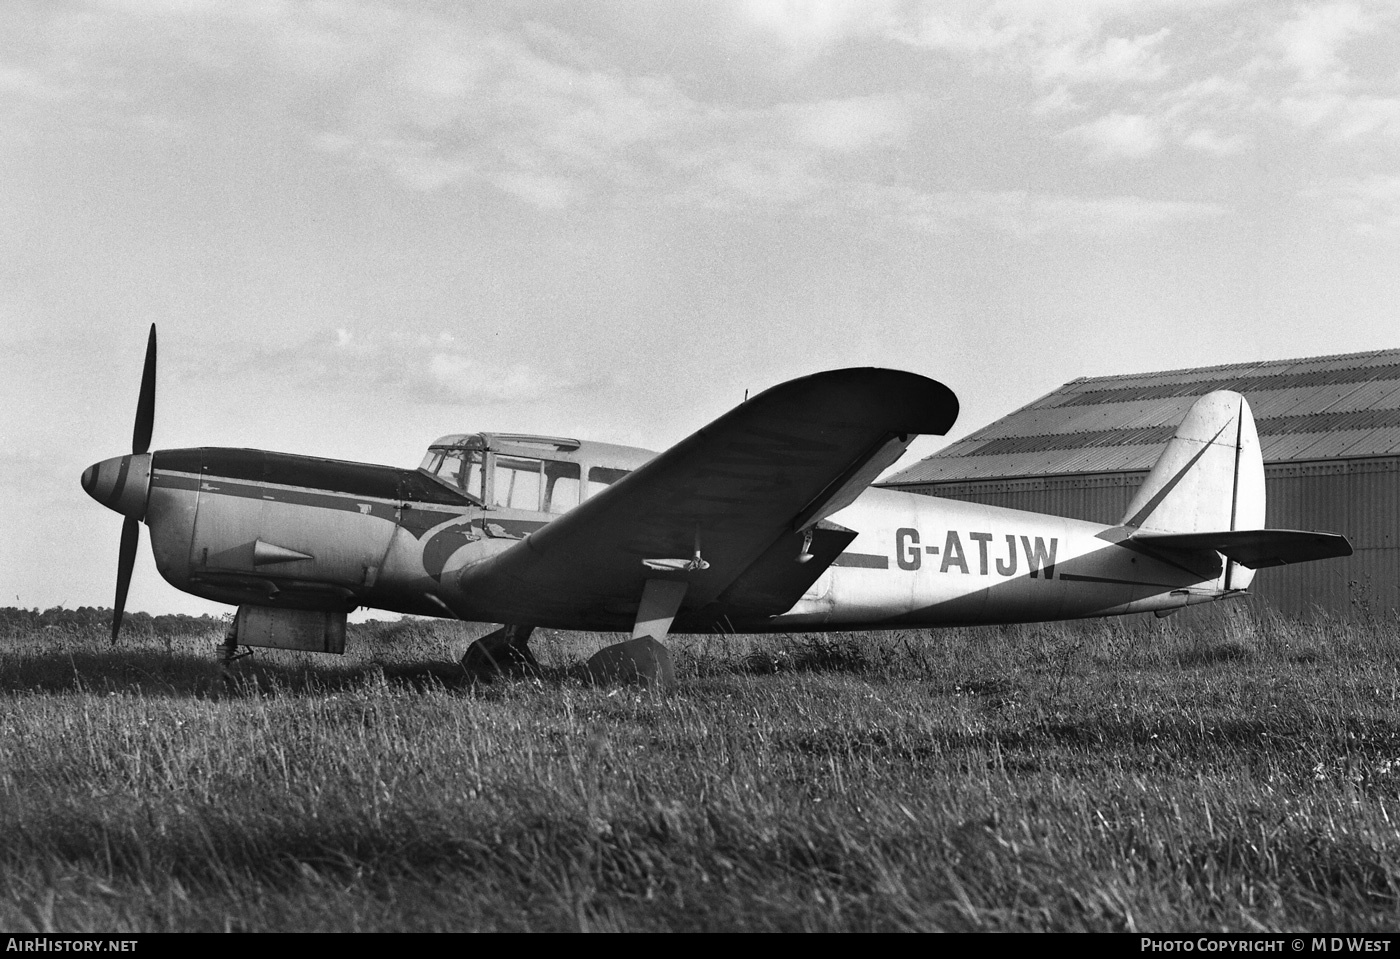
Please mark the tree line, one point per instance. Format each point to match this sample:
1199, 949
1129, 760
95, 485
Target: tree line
91, 618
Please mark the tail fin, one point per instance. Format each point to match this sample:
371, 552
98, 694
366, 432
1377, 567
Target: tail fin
1206, 492
1211, 475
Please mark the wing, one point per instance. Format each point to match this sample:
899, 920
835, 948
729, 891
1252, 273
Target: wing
1255, 548
711, 507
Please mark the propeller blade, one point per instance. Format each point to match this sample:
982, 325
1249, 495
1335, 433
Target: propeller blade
126, 559
146, 403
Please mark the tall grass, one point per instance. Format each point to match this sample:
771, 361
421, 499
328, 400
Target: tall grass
1231, 772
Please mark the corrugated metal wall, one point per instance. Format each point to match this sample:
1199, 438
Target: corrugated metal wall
1360, 498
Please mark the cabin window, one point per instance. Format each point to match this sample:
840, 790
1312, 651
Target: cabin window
561, 484
517, 483
460, 468
601, 477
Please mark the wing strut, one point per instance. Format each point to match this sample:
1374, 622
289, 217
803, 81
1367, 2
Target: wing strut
661, 600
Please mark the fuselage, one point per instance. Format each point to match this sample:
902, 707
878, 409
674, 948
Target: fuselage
924, 561
297, 532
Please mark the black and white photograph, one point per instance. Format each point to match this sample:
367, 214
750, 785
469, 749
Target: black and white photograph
701, 466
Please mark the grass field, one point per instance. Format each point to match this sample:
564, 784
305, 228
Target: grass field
1230, 772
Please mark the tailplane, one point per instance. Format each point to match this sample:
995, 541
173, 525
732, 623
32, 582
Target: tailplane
1255, 548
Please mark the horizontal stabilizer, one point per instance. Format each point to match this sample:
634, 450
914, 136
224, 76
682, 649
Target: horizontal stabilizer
1255, 548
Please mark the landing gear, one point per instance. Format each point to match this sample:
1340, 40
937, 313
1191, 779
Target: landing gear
228, 651
505, 652
643, 660
637, 662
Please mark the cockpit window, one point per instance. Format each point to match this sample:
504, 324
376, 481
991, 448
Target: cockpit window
457, 467
537, 484
560, 486
601, 477
516, 483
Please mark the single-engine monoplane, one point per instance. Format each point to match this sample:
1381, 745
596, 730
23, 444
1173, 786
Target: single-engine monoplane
764, 520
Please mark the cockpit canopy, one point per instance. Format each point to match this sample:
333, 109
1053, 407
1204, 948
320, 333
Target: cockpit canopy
539, 474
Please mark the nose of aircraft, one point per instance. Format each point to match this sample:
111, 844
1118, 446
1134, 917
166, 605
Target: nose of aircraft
120, 483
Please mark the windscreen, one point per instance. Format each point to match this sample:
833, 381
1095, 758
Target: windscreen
457, 467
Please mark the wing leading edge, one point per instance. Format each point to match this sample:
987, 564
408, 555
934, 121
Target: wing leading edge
710, 508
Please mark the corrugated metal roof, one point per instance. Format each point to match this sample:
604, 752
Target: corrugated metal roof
1310, 408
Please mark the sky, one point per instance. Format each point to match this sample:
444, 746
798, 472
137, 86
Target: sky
361, 224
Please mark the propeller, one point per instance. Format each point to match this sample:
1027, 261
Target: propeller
146, 402
140, 443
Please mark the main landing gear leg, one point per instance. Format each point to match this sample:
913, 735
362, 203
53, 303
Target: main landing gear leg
228, 649
644, 660
505, 652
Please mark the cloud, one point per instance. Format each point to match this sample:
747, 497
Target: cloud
453, 105
1368, 204
1333, 66
1311, 41
1112, 60
442, 102
555, 133
1362, 116
1027, 214
539, 189
1342, 117
807, 27
421, 369
416, 162
1120, 135
440, 98
31, 84
1207, 140
1045, 29
736, 180
851, 124
1208, 76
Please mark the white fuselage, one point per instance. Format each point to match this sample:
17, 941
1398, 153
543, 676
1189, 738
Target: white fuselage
920, 560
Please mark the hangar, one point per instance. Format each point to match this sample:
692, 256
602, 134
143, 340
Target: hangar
1329, 427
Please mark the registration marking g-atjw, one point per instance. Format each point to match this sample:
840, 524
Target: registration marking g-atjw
1039, 556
